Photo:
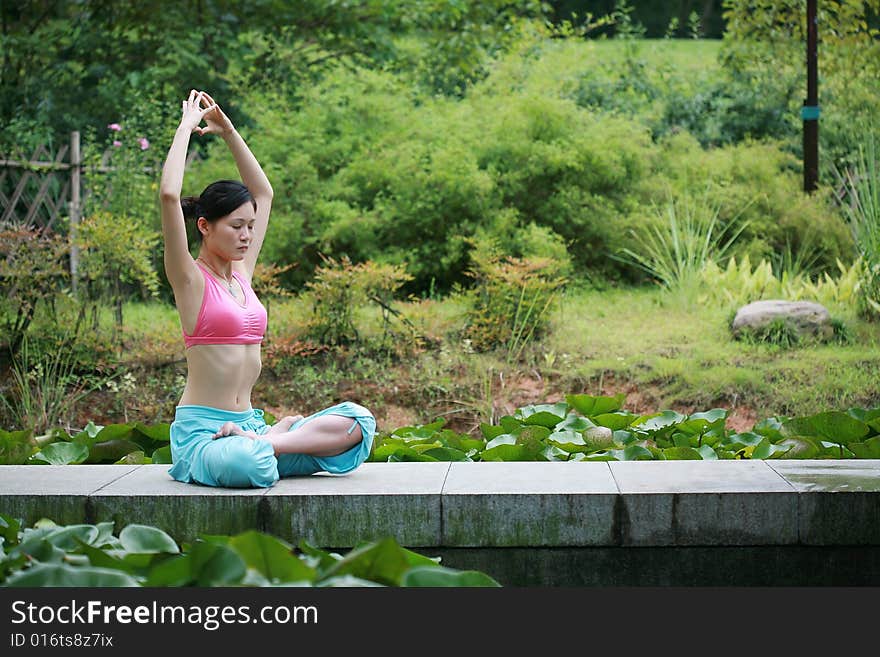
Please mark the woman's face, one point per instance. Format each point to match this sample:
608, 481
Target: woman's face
230, 236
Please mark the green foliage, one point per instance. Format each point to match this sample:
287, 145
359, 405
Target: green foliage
730, 110
117, 258
778, 332
267, 283
132, 442
86, 555
44, 387
689, 239
457, 41
16, 447
340, 288
757, 182
861, 204
764, 44
370, 167
74, 64
738, 284
32, 271
598, 428
511, 302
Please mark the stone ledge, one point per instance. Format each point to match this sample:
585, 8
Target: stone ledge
635, 504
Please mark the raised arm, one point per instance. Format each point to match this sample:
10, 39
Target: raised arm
179, 266
251, 173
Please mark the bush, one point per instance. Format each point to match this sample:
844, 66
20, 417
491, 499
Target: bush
117, 254
340, 288
757, 185
373, 169
32, 271
511, 303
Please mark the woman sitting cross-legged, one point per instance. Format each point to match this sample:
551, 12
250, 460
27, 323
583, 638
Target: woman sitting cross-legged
217, 437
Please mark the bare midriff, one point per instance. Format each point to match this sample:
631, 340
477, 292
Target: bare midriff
221, 375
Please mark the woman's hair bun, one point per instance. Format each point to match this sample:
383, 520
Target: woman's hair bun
190, 206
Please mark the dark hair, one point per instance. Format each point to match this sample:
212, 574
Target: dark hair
217, 200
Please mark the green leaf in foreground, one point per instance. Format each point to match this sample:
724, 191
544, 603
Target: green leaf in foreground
437, 576
421, 432
383, 561
66, 537
206, 564
657, 421
111, 450
146, 539
614, 421
491, 431
161, 432
513, 453
52, 574
162, 455
271, 557
568, 440
9, 528
446, 454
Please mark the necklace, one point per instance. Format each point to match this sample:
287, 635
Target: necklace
225, 280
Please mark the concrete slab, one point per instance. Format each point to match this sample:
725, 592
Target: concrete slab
838, 502
57, 492
401, 500
727, 502
830, 476
150, 496
528, 504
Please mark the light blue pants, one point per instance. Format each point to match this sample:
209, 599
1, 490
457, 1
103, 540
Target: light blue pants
239, 461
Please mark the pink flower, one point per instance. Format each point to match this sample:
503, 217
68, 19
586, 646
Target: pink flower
117, 143
115, 127
144, 143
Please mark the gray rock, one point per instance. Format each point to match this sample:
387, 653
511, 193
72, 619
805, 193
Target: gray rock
808, 318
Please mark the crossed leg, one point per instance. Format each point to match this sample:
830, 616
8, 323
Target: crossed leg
326, 435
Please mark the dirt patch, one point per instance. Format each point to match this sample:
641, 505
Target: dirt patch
741, 418
390, 417
512, 391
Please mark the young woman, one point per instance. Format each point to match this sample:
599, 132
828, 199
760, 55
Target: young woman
217, 437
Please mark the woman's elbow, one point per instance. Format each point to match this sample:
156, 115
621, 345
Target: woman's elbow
169, 195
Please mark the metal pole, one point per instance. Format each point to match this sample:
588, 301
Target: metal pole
810, 110
75, 209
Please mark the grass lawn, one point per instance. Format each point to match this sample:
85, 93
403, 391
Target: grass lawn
682, 357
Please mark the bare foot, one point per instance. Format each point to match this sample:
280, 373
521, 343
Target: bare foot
283, 425
232, 429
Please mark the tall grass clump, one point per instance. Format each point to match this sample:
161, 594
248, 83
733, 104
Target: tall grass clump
686, 238
860, 200
44, 388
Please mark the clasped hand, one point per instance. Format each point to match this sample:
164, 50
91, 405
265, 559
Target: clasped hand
201, 107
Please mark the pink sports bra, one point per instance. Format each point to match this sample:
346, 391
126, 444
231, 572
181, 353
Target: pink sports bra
222, 320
